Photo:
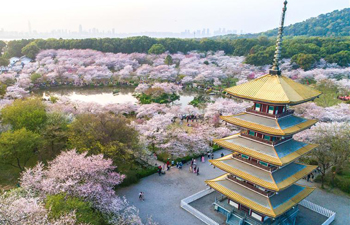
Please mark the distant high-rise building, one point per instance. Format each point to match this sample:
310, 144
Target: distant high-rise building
80, 29
208, 33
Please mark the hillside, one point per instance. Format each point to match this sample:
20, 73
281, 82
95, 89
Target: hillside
333, 24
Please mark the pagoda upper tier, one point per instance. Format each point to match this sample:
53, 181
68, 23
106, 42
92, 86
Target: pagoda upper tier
281, 154
275, 180
287, 125
275, 89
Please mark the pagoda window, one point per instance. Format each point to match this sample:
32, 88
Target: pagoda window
259, 135
274, 138
263, 163
281, 109
245, 156
252, 133
276, 110
257, 107
257, 216
270, 109
234, 204
261, 188
266, 137
240, 179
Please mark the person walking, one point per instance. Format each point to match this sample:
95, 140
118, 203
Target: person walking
203, 159
197, 171
141, 196
159, 170
212, 155
222, 154
167, 165
208, 155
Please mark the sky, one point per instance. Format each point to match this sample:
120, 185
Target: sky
128, 16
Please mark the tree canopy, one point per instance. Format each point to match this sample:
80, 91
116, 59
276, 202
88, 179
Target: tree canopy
18, 147
156, 49
104, 133
30, 50
28, 113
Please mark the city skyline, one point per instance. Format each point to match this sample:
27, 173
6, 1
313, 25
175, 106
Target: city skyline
137, 17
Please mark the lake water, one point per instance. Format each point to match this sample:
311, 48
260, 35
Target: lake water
104, 95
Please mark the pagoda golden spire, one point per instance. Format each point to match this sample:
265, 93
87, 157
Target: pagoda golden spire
275, 67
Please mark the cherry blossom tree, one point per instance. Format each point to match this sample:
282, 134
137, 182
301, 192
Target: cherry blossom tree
21, 208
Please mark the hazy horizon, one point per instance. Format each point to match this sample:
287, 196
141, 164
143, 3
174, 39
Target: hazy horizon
135, 16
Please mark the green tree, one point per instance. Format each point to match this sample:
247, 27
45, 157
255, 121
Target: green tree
2, 89
34, 77
156, 49
305, 61
54, 134
29, 113
18, 147
2, 45
14, 48
62, 204
104, 133
30, 50
4, 61
168, 60
342, 58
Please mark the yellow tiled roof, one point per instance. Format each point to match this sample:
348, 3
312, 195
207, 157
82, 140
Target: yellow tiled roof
264, 157
269, 211
256, 180
267, 129
274, 89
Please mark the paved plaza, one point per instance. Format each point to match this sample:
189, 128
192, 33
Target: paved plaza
164, 193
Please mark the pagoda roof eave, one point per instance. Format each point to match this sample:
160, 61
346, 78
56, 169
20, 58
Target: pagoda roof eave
273, 185
271, 102
269, 211
278, 161
278, 131
274, 89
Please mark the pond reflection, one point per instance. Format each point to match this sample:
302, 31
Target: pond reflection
105, 95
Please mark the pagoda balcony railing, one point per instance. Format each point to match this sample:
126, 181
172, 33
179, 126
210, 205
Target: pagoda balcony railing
245, 134
288, 112
254, 163
252, 187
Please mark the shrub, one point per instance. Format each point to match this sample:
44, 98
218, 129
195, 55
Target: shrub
62, 204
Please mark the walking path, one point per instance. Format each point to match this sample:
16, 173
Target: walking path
164, 193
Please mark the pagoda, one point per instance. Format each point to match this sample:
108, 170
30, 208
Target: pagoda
259, 184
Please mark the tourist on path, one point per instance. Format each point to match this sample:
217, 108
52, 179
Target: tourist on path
141, 196
197, 171
167, 165
159, 170
203, 159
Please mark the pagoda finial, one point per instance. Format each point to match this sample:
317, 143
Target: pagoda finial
275, 66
